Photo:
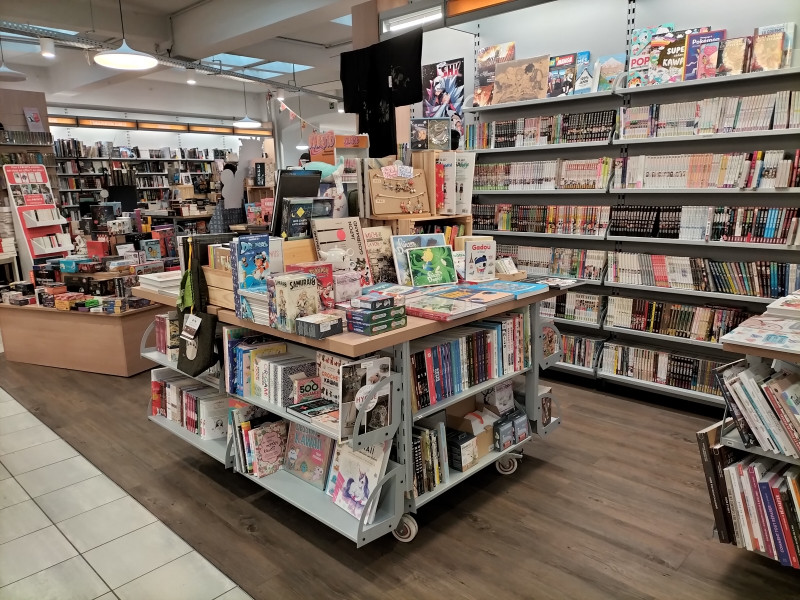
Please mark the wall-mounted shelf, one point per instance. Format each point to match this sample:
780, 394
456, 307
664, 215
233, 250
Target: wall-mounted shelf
536, 192
627, 191
708, 136
532, 234
678, 242
661, 388
562, 321
664, 338
684, 292
701, 83
574, 145
540, 102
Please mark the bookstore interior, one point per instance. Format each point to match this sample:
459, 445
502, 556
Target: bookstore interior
275, 277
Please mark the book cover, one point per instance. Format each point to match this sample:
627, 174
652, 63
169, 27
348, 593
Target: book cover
697, 63
295, 296
402, 243
519, 289
561, 76
431, 266
343, 234
734, 56
151, 249
788, 307
379, 251
465, 175
788, 39
606, 69
296, 217
358, 476
419, 134
324, 273
767, 52
519, 80
308, 454
441, 309
668, 57
252, 262
584, 80
446, 190
639, 60
485, 66
767, 331
356, 381
443, 97
269, 445
479, 260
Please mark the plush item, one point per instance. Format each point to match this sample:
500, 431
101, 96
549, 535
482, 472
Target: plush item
326, 169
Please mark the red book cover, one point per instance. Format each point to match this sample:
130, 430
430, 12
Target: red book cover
155, 397
761, 512
784, 521
323, 271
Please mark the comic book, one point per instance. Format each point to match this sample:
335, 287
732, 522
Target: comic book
401, 243
379, 252
584, 80
324, 273
734, 56
668, 55
606, 69
767, 52
561, 77
431, 266
295, 296
519, 80
787, 29
443, 91
698, 62
485, 63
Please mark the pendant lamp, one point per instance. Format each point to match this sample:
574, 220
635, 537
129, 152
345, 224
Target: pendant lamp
8, 75
246, 122
125, 57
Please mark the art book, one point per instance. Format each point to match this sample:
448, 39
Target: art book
639, 60
668, 55
308, 454
440, 309
561, 77
443, 92
698, 62
358, 477
295, 296
379, 251
584, 81
767, 331
767, 52
402, 243
431, 266
356, 380
480, 260
606, 70
519, 80
485, 64
343, 234
734, 56
787, 29
269, 445
788, 307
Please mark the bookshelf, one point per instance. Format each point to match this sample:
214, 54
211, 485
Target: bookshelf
396, 505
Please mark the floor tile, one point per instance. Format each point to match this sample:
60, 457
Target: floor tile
57, 476
108, 596
33, 553
4, 395
20, 440
105, 523
11, 407
37, 457
11, 493
191, 577
79, 497
4, 474
21, 519
72, 579
18, 422
135, 554
234, 594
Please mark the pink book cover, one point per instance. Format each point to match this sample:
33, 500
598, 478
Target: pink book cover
308, 454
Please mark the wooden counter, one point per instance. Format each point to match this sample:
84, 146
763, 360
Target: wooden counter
82, 341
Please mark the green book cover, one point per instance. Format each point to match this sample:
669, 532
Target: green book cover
431, 266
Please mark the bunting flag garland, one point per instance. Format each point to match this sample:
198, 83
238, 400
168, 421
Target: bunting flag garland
293, 115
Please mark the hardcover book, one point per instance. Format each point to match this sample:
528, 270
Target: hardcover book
358, 476
269, 445
734, 56
441, 309
151, 249
296, 217
343, 234
485, 66
295, 296
431, 266
308, 454
356, 381
518, 289
520, 80
480, 260
788, 307
251, 255
787, 29
402, 243
698, 61
324, 273
379, 251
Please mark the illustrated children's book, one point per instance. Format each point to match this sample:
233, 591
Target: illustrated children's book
485, 65
668, 55
341, 242
379, 251
358, 476
702, 54
324, 273
639, 61
583, 73
606, 70
295, 296
402, 243
431, 266
480, 260
249, 269
268, 442
308, 455
561, 78
356, 380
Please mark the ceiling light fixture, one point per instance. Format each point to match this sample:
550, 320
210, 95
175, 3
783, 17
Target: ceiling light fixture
340, 107
415, 19
48, 47
190, 71
246, 122
280, 96
125, 57
8, 75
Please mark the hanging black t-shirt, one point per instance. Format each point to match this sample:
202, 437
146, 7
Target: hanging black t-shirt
379, 78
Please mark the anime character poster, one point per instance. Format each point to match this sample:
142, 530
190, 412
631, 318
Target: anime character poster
443, 91
485, 64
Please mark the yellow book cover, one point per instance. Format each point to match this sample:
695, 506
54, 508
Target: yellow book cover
767, 52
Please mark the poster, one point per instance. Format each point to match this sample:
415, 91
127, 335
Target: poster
33, 119
485, 69
321, 147
28, 185
443, 91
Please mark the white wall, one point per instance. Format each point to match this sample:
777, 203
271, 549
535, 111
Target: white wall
315, 110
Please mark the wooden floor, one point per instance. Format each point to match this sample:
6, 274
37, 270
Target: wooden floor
613, 505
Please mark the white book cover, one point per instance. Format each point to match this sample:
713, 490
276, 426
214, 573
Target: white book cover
479, 260
465, 174
359, 472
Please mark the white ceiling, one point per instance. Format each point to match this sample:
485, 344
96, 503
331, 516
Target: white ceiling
293, 31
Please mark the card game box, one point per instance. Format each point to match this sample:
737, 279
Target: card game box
319, 325
372, 302
360, 315
346, 285
519, 421
503, 434
376, 328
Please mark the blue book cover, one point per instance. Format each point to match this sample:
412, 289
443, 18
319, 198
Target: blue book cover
584, 81
447, 379
772, 517
455, 361
252, 262
519, 289
694, 66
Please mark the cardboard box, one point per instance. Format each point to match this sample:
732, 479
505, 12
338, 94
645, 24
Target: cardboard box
372, 302
455, 419
462, 449
503, 434
500, 398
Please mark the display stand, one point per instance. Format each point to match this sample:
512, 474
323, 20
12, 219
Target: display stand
396, 503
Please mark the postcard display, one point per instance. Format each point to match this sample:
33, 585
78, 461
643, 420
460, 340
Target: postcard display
376, 386
38, 222
545, 110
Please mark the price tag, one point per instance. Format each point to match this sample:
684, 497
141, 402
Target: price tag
191, 323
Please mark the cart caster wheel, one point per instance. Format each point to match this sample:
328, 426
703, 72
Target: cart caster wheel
506, 466
407, 529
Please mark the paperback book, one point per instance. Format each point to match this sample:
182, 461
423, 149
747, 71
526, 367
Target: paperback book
356, 381
432, 265
519, 80
479, 260
269, 445
308, 454
379, 250
606, 70
359, 472
485, 65
343, 234
402, 243
441, 309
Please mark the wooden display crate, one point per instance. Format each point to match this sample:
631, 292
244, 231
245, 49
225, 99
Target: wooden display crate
404, 224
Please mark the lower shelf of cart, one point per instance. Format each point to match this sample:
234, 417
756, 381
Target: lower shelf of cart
732, 439
214, 448
318, 504
457, 477
570, 368
161, 359
662, 388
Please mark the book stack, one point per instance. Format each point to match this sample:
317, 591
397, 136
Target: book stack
567, 262
591, 174
168, 282
595, 126
779, 329
573, 306
771, 169
580, 350
167, 335
562, 220
646, 221
468, 356
197, 408
430, 454
702, 323
659, 366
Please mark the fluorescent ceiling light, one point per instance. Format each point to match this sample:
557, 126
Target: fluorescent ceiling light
284, 67
280, 96
302, 146
125, 58
345, 20
247, 123
190, 72
414, 19
48, 47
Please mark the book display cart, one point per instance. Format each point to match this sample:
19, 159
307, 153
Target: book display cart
528, 207
395, 502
